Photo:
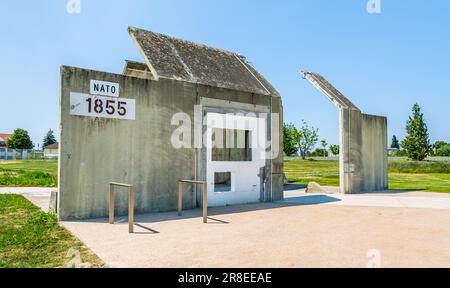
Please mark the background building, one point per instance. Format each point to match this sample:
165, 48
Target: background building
10, 154
51, 151
5, 153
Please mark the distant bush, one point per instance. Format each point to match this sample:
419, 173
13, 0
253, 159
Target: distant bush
335, 149
400, 153
319, 153
419, 167
443, 151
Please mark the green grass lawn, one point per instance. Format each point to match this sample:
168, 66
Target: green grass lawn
28, 173
432, 176
299, 171
430, 182
429, 176
30, 238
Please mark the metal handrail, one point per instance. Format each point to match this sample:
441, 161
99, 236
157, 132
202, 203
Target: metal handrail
205, 197
112, 185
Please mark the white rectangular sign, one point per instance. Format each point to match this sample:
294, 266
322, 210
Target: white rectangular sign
104, 88
103, 107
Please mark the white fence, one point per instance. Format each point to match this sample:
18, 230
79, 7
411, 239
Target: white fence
12, 154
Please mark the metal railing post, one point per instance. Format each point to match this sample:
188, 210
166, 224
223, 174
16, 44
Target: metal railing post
205, 197
131, 210
131, 197
180, 198
205, 203
111, 203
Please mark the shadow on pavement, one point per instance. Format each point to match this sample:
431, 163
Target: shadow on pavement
400, 191
312, 200
150, 231
293, 187
215, 212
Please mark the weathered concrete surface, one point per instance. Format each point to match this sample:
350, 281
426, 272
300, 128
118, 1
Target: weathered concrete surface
374, 172
138, 70
314, 187
363, 142
53, 203
300, 236
172, 58
364, 159
97, 151
278, 161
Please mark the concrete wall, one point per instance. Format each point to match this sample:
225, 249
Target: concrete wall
363, 158
374, 153
96, 151
278, 161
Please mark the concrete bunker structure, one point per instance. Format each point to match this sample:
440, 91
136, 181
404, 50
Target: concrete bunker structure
131, 128
363, 141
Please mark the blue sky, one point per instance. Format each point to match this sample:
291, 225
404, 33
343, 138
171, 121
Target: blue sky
383, 62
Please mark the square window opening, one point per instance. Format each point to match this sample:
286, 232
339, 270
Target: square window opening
231, 145
222, 182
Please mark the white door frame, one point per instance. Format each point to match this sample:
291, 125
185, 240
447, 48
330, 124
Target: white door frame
245, 175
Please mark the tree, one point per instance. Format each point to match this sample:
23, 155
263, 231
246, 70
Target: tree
417, 143
20, 140
441, 148
290, 139
439, 144
334, 149
49, 139
443, 151
308, 137
395, 144
319, 153
324, 144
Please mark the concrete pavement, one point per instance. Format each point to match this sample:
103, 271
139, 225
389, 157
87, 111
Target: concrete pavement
430, 201
306, 230
303, 231
275, 235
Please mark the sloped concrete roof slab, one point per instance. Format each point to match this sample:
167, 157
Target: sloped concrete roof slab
327, 89
173, 58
